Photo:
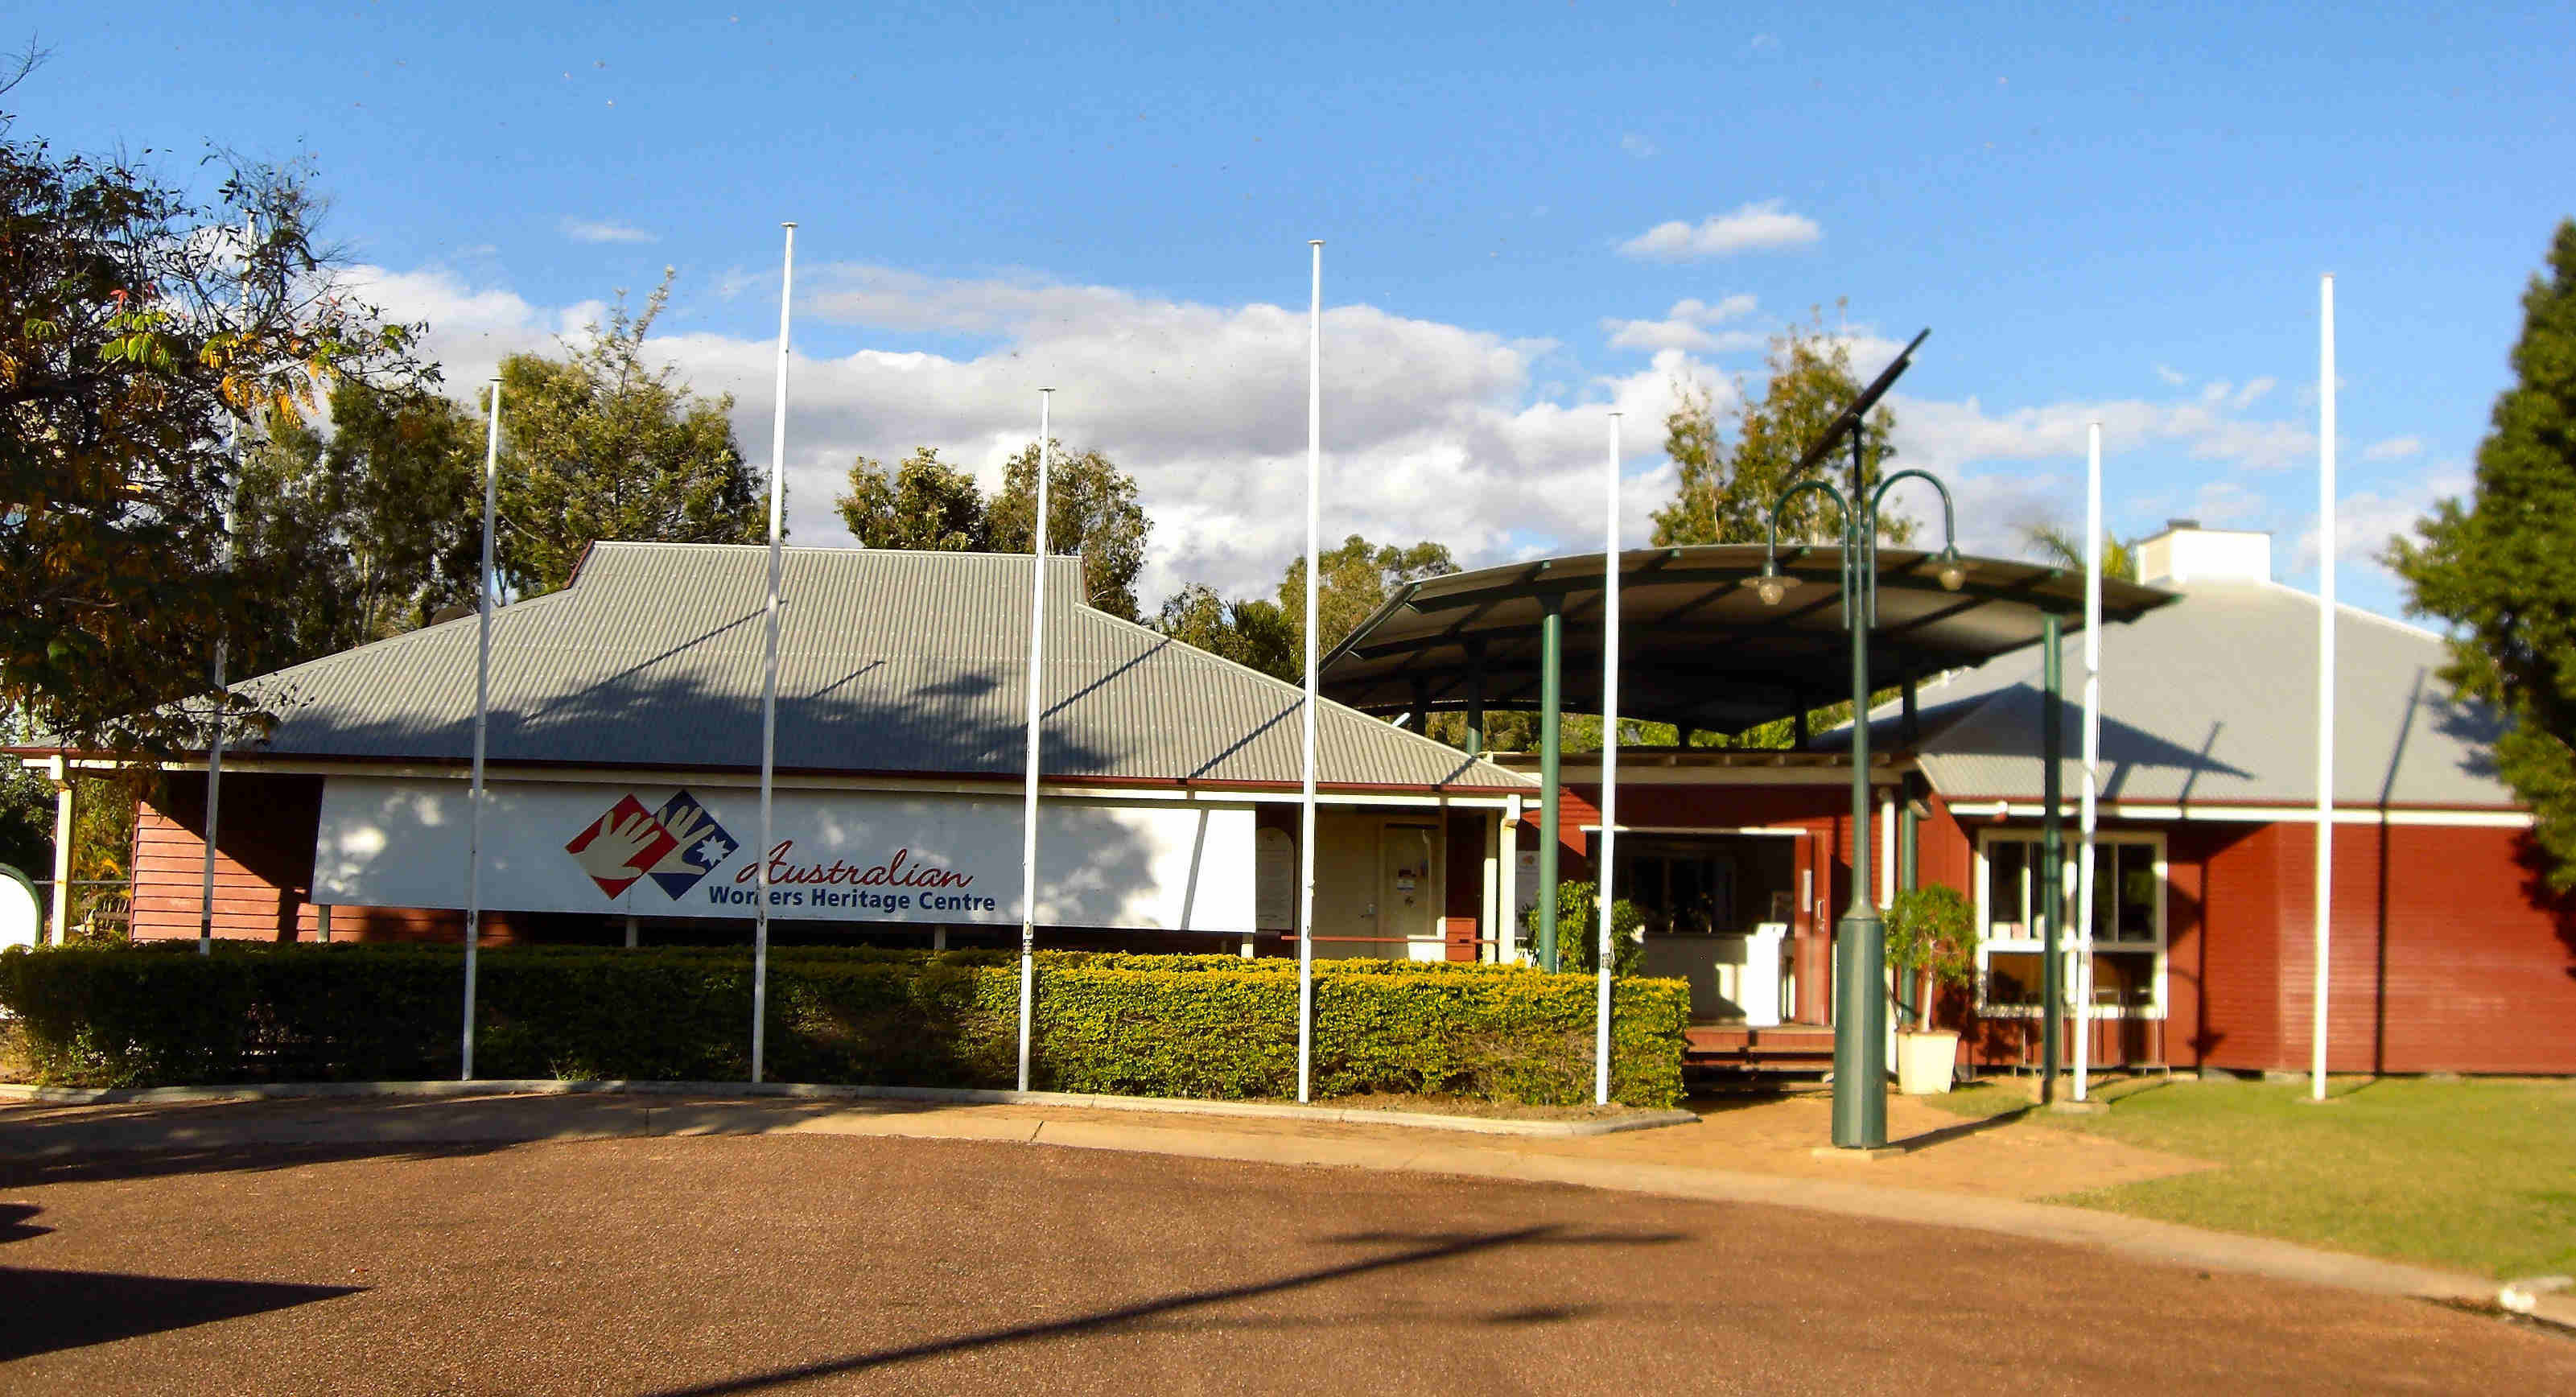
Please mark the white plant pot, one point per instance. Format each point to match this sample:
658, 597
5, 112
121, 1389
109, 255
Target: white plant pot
1924, 1061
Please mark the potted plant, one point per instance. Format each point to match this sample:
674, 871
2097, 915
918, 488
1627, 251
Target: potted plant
1931, 942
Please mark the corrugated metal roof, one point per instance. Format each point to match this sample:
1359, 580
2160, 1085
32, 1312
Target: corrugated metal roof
2213, 699
889, 662
1698, 648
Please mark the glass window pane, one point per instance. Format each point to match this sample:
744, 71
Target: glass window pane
2137, 892
2006, 917
2126, 979
2106, 880
2012, 978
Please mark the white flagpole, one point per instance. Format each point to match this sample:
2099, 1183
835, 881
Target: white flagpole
1037, 712
223, 693
1314, 562
769, 672
2325, 681
1607, 867
482, 709
2084, 878
214, 757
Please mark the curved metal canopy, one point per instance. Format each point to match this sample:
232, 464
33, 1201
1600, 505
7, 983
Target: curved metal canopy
1698, 648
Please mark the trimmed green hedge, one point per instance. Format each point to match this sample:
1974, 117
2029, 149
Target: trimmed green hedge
1182, 1026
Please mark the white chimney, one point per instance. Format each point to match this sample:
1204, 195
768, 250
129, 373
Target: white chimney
2186, 553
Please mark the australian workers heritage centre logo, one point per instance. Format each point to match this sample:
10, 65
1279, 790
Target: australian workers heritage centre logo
678, 845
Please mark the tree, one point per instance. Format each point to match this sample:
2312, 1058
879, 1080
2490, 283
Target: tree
1091, 510
1358, 578
929, 504
362, 534
1253, 632
2061, 546
145, 341
1578, 932
599, 445
2501, 568
925, 504
1727, 491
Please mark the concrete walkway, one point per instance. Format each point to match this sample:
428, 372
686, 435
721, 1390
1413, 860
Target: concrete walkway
1756, 1153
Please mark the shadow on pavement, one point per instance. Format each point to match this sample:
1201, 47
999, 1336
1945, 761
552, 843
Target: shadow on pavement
146, 1163
1428, 1248
41, 1311
1963, 1129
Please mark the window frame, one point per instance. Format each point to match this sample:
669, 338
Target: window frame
2073, 851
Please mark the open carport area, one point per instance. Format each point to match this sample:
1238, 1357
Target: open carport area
804, 1262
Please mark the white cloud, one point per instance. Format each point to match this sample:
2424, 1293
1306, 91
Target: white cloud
2366, 520
1946, 435
1690, 324
1751, 228
2393, 449
2174, 378
1430, 430
1637, 146
587, 230
2253, 391
2219, 503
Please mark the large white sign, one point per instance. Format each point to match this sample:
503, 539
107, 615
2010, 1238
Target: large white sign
671, 851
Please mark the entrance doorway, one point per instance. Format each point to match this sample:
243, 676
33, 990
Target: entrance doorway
1718, 912
1408, 892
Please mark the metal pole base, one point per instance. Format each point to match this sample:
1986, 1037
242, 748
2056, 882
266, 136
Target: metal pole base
1860, 1030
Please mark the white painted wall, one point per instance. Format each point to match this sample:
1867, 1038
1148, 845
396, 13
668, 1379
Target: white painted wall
848, 856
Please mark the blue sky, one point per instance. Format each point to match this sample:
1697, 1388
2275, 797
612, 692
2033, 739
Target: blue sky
2120, 216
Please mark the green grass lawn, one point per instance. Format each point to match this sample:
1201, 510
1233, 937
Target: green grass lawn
2475, 1175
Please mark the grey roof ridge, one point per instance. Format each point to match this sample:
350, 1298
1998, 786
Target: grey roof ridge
2343, 608
1058, 558
413, 635
1299, 691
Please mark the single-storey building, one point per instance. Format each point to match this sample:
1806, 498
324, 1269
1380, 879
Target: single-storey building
2449, 952
624, 756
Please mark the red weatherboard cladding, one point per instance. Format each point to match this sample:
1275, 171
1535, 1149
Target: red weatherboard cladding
263, 869
2447, 957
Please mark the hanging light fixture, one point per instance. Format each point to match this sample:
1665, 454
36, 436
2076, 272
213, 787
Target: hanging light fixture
1770, 584
1952, 572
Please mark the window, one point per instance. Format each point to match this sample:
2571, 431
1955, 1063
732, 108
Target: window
2128, 933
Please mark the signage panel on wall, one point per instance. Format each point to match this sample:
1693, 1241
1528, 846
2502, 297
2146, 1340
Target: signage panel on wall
670, 851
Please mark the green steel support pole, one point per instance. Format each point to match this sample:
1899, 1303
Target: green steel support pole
2052, 752
1860, 942
1476, 701
1551, 699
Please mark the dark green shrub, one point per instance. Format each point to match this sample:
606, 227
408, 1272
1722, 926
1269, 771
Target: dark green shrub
1107, 1022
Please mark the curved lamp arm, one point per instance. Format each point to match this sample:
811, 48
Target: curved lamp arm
1952, 571
1770, 584
1771, 549
1949, 515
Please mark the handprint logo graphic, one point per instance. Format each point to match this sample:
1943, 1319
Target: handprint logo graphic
677, 845
620, 846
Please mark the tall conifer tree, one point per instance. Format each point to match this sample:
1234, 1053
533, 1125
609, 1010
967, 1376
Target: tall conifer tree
2501, 567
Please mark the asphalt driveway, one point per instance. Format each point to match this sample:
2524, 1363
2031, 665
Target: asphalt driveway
805, 1263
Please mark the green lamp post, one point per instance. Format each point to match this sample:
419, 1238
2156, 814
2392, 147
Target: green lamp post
1860, 940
